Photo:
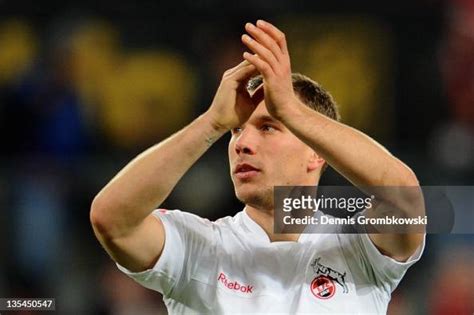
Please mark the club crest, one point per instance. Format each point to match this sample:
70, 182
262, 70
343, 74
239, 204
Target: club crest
324, 283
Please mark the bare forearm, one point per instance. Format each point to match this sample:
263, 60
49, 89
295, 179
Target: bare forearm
353, 154
148, 179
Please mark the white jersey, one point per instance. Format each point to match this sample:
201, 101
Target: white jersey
230, 266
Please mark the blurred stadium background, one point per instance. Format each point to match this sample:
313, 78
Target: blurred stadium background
86, 86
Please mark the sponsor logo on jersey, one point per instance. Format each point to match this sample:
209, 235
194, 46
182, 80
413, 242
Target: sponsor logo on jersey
324, 283
234, 285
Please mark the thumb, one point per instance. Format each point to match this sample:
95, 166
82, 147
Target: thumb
244, 73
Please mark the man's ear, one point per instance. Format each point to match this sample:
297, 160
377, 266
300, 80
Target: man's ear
315, 162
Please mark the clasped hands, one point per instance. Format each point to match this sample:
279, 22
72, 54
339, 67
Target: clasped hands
232, 104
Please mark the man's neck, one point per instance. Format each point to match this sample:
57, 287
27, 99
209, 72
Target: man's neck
265, 219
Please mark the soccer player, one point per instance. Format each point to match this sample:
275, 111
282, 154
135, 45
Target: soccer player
284, 131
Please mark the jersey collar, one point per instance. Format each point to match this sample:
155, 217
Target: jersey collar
258, 235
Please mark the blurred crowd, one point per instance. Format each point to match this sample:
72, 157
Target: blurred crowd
81, 93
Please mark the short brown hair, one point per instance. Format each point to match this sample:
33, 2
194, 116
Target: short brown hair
310, 93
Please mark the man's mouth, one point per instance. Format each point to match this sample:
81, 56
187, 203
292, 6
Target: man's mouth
245, 170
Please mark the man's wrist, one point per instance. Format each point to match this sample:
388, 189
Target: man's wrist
213, 130
292, 110
213, 123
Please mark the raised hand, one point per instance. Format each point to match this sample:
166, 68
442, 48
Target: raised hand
272, 60
232, 104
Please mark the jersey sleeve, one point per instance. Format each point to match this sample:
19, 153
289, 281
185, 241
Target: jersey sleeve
187, 239
378, 268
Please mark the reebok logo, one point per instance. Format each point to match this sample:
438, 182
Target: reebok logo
234, 285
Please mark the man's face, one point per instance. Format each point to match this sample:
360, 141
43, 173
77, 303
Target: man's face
263, 153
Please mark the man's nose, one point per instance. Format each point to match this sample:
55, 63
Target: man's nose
245, 142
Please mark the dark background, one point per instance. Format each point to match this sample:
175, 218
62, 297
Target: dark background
84, 87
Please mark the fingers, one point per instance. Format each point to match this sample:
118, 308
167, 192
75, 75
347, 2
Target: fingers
265, 39
241, 65
262, 51
268, 44
241, 72
245, 72
277, 35
270, 53
262, 66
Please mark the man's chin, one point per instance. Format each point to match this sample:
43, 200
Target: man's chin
243, 196
254, 198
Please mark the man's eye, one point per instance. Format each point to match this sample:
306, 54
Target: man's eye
267, 128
